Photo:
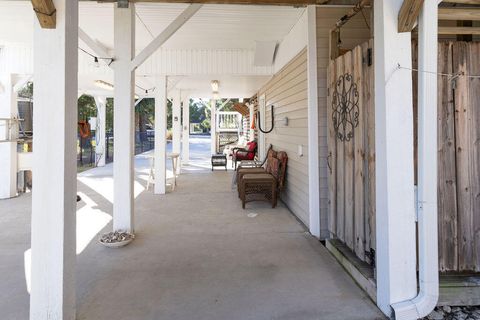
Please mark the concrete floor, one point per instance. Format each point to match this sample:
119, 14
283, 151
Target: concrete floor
197, 255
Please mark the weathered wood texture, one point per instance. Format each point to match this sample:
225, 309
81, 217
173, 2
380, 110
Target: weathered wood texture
46, 13
459, 157
408, 15
351, 162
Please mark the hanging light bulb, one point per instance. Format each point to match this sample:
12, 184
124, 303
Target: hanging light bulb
215, 85
95, 61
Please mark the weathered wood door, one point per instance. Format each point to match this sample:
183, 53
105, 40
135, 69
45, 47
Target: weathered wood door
351, 148
459, 156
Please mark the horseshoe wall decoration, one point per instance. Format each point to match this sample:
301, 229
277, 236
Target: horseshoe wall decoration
260, 122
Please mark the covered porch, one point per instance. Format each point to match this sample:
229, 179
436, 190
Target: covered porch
200, 257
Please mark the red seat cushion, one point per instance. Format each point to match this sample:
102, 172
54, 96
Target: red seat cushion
251, 147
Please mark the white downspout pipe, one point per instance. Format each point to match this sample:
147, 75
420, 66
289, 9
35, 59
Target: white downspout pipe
426, 300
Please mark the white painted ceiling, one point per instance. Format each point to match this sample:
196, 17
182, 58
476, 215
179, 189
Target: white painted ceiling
212, 27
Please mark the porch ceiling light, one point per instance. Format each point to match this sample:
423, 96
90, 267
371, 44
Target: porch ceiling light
104, 85
215, 85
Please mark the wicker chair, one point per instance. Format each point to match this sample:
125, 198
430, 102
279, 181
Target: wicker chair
264, 185
254, 168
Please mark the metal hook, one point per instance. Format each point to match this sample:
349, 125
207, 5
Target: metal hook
260, 122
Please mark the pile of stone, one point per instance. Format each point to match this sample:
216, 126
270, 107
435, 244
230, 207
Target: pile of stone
116, 236
454, 313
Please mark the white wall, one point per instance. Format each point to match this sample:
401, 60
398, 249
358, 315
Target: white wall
294, 42
287, 91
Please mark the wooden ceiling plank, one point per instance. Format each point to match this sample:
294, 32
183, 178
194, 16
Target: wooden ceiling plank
46, 13
459, 14
459, 30
299, 3
462, 1
408, 15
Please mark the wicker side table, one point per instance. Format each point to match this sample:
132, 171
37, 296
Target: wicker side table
219, 160
260, 186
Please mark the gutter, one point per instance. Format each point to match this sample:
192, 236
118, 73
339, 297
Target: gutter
427, 297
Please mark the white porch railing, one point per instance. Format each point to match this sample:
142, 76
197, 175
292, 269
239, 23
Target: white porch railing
228, 121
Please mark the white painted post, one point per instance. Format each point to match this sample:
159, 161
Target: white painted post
160, 151
176, 123
427, 231
251, 115
100, 137
8, 150
427, 153
53, 234
213, 126
123, 117
313, 166
395, 208
186, 130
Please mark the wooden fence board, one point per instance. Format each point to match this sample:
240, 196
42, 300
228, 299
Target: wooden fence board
349, 169
463, 161
332, 155
340, 169
474, 104
370, 112
447, 185
359, 158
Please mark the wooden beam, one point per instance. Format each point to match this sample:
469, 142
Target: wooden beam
462, 1
353, 12
459, 30
46, 13
165, 35
459, 13
295, 3
99, 50
408, 15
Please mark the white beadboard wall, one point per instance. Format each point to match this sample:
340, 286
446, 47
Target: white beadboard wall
287, 91
353, 33
18, 58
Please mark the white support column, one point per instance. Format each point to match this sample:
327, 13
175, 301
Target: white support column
251, 114
123, 117
213, 126
160, 135
8, 150
53, 234
100, 137
427, 203
395, 208
176, 122
186, 130
313, 166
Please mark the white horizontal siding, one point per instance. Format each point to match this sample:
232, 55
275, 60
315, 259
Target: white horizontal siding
287, 91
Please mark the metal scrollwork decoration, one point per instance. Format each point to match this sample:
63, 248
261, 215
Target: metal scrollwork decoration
345, 107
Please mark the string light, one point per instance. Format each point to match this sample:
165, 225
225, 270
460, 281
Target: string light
95, 58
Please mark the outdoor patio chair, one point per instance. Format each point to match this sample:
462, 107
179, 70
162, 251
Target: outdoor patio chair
247, 153
265, 186
249, 167
228, 150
